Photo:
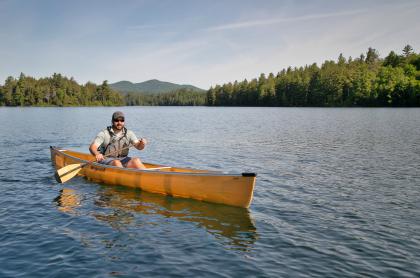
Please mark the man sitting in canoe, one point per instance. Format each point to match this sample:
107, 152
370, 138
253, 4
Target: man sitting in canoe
113, 142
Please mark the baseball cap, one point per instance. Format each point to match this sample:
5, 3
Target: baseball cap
117, 115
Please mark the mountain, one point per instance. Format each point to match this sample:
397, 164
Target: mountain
153, 86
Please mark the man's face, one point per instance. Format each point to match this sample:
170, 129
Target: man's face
118, 123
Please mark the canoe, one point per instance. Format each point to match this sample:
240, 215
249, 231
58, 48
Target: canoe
210, 186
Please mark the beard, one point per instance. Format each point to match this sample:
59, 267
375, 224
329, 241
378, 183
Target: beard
118, 126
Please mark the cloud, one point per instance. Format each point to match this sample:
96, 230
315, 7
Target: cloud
265, 22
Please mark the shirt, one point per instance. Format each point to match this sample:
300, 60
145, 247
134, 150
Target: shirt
103, 138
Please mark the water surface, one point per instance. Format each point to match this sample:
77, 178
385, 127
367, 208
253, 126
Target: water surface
337, 195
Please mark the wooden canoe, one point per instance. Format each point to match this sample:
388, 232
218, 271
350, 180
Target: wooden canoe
210, 186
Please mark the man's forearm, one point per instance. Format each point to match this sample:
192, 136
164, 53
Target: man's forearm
93, 149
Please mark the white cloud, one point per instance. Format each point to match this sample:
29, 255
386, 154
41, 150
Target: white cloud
264, 22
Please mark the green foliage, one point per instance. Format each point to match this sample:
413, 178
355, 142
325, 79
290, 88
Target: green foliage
393, 60
181, 97
365, 81
55, 91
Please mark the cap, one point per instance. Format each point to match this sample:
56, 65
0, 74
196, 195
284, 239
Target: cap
117, 115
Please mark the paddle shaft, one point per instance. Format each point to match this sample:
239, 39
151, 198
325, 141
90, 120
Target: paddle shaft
90, 162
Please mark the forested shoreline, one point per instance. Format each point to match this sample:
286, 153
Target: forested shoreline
365, 81
57, 90
368, 80
181, 97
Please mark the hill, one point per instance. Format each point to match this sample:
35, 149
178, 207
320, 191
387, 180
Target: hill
153, 86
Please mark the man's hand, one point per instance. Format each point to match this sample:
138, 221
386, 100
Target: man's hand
99, 157
141, 144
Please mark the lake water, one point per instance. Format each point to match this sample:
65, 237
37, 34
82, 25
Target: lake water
337, 195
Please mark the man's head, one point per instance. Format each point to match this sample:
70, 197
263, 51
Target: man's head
118, 120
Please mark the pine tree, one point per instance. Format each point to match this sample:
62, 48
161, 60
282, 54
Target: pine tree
372, 56
407, 50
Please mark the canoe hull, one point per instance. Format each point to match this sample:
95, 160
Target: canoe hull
214, 187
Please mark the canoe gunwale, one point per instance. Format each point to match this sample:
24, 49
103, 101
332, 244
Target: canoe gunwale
210, 173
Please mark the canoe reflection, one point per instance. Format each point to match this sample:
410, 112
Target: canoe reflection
231, 225
67, 200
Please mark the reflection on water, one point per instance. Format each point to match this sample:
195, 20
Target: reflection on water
230, 225
67, 200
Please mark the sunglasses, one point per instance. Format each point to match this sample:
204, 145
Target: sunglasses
119, 120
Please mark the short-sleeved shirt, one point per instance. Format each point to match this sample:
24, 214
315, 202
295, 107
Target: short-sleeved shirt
103, 138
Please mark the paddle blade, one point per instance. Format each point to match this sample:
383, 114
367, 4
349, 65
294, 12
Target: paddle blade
67, 172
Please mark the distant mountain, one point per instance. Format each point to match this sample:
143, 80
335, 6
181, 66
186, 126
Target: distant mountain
153, 86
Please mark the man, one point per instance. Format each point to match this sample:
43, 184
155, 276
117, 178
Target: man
113, 142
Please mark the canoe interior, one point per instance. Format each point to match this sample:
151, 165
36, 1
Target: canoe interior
88, 157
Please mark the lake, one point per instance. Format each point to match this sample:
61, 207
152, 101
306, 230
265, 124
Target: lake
337, 195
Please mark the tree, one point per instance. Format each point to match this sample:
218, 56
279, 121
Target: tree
361, 85
391, 84
210, 97
7, 91
18, 97
407, 50
392, 60
341, 59
372, 56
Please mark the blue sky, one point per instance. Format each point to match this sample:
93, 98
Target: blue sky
202, 43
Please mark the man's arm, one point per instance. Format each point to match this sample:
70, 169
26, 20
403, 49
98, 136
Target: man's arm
138, 144
94, 150
141, 144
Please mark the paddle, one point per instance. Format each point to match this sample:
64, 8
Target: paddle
69, 171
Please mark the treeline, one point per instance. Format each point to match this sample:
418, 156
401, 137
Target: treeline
59, 90
56, 91
365, 81
181, 97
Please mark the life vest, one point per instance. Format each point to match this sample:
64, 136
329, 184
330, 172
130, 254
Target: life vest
116, 144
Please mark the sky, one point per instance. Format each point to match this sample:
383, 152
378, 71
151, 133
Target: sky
202, 43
